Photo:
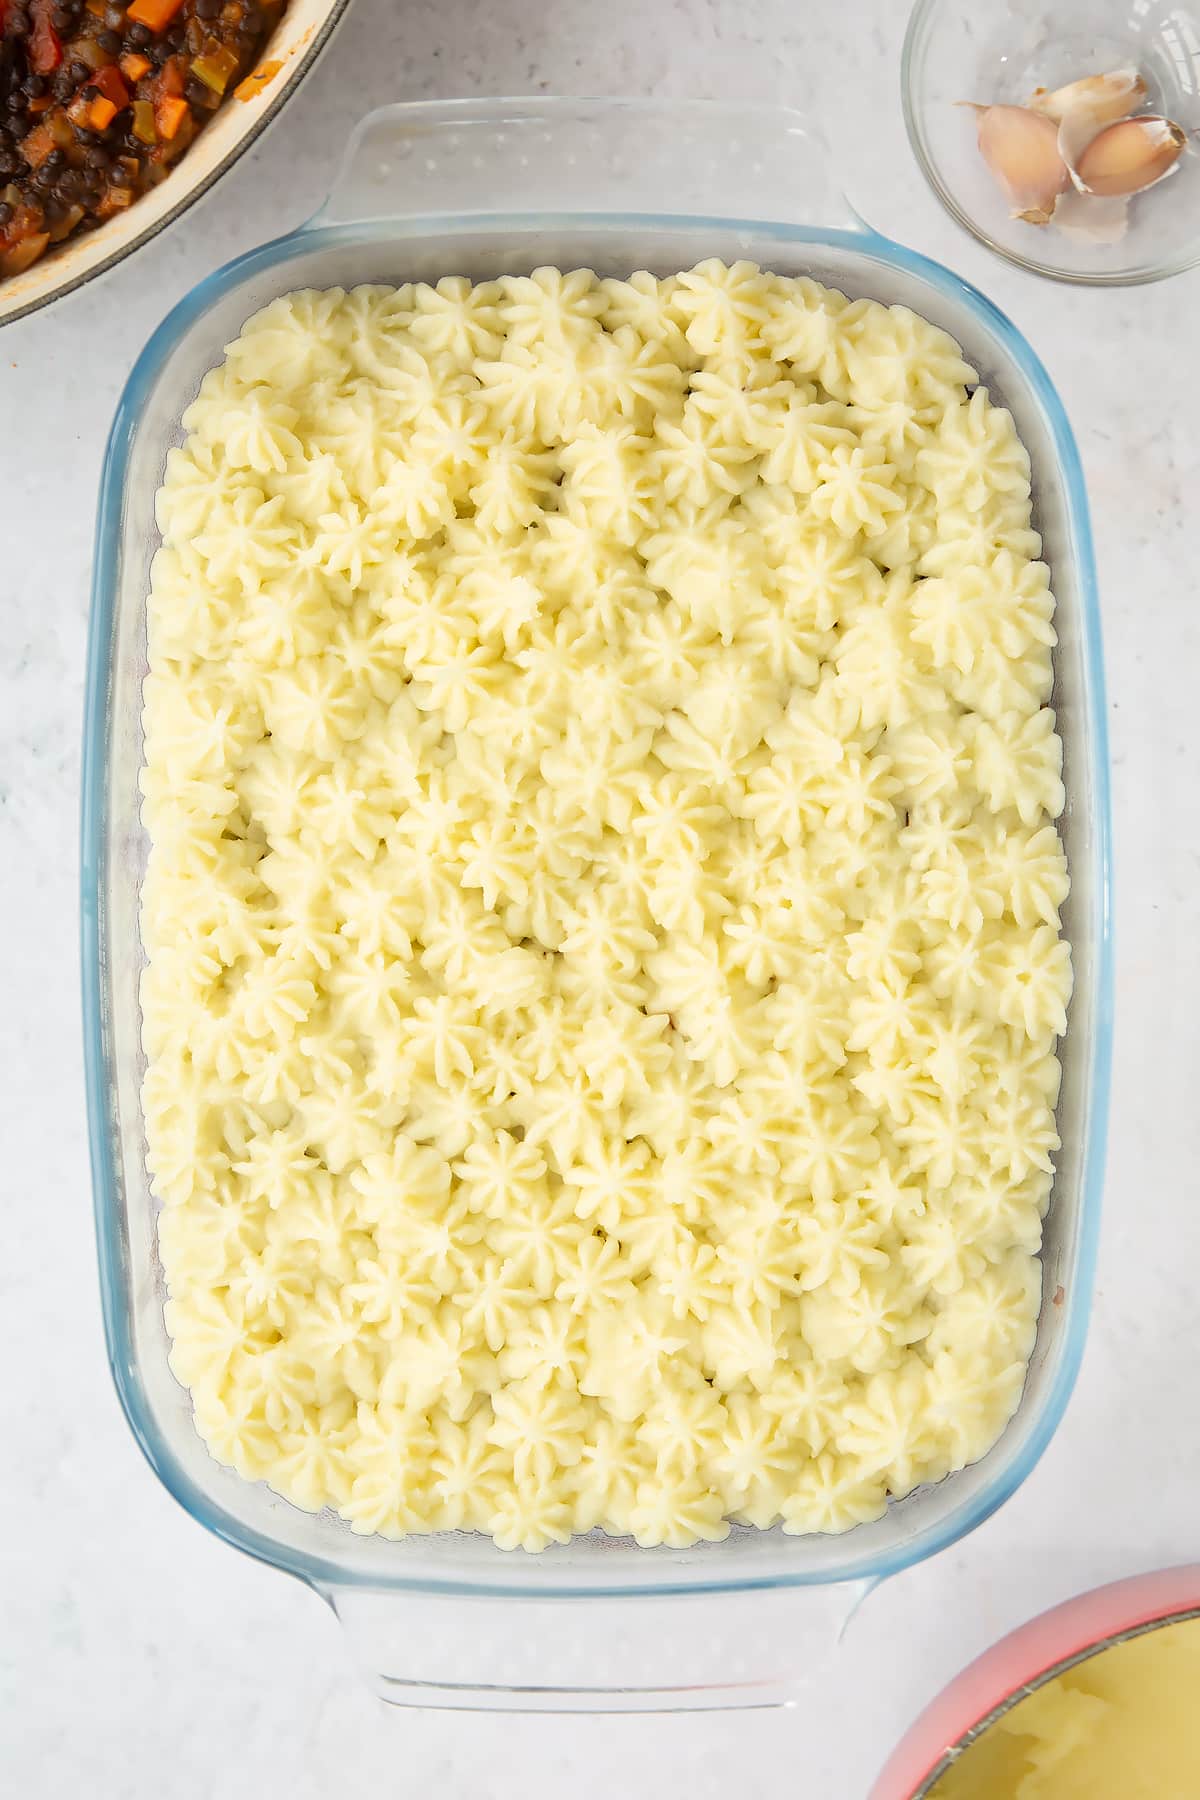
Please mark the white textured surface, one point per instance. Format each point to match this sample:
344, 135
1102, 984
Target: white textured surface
141, 1656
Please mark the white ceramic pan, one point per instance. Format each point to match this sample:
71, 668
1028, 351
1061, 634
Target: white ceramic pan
302, 33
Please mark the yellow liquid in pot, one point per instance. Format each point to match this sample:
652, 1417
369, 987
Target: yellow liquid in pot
1124, 1725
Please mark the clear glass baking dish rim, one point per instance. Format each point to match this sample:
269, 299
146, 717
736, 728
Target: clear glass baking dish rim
341, 221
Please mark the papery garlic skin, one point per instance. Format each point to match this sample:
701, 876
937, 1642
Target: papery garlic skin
1091, 218
1101, 98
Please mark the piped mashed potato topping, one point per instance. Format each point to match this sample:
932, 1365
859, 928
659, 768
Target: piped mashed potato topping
603, 905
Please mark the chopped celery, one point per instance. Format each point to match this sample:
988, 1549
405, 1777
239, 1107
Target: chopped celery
215, 67
143, 122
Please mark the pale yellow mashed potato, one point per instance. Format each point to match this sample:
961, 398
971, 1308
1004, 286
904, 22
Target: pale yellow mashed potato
1124, 1725
603, 908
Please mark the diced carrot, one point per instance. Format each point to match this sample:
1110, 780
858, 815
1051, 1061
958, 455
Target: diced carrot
155, 13
41, 105
108, 81
45, 45
37, 145
133, 66
253, 85
169, 113
97, 8
170, 78
101, 114
166, 153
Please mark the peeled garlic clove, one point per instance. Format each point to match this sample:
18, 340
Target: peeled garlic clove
1021, 149
1131, 156
1101, 98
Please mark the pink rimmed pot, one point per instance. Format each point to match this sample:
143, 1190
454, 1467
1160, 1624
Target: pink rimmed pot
1026, 1659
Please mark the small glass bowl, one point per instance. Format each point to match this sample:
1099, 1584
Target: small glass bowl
958, 50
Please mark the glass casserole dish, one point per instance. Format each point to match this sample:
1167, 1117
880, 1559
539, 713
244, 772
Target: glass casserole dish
503, 186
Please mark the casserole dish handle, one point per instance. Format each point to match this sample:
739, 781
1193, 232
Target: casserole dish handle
599, 1651
560, 156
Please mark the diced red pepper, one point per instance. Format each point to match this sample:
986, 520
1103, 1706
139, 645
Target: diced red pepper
157, 14
108, 81
45, 45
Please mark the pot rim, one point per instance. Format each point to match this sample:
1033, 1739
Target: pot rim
927, 1790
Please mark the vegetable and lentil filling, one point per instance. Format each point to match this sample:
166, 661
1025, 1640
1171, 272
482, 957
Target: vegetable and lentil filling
99, 97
